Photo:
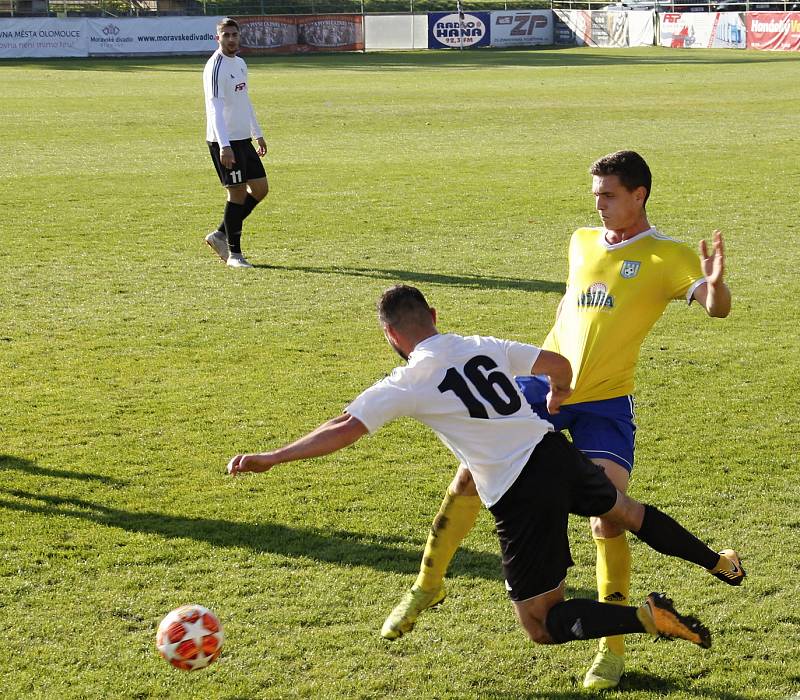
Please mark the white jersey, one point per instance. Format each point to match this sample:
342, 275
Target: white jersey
229, 113
464, 389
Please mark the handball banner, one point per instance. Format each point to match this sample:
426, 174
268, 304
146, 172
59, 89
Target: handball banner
773, 31
300, 33
702, 30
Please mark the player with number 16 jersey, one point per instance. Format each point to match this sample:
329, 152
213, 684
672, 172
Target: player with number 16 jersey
447, 373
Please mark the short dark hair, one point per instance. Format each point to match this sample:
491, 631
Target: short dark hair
403, 305
227, 22
629, 167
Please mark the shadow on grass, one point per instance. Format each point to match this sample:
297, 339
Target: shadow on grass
332, 546
385, 553
469, 281
631, 681
550, 57
9, 463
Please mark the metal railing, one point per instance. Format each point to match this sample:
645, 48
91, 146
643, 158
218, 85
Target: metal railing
681, 6
145, 8
154, 8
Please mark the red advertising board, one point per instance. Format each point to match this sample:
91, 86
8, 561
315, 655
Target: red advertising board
300, 33
773, 31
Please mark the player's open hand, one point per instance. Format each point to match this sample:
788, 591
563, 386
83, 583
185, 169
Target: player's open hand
713, 263
250, 463
262, 147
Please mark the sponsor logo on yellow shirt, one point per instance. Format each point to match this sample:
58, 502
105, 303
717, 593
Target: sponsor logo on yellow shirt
596, 296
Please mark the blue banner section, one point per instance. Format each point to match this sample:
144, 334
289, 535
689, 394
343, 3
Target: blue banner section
448, 30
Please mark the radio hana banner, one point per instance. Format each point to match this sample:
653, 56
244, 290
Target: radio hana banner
446, 30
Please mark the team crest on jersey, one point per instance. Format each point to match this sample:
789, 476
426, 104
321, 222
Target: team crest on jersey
630, 268
596, 296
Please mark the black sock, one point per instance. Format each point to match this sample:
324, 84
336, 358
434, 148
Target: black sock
663, 534
587, 619
233, 226
249, 204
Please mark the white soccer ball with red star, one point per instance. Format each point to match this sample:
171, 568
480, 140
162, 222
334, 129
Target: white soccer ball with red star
190, 637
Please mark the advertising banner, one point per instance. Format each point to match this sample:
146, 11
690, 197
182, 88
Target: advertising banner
729, 32
591, 28
641, 28
773, 31
300, 33
522, 28
447, 31
42, 38
160, 35
702, 30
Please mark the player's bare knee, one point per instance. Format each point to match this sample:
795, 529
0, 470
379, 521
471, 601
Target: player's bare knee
237, 194
537, 631
626, 514
258, 189
462, 483
602, 528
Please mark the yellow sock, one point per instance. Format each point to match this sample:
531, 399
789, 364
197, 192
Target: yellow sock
613, 581
455, 519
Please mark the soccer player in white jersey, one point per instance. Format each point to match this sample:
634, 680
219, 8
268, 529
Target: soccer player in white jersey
528, 476
231, 125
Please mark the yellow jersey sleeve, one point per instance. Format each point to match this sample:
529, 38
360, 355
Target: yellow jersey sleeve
615, 294
683, 272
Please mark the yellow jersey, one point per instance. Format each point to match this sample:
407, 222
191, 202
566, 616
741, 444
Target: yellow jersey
615, 294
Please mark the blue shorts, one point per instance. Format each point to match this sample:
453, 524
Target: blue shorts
599, 429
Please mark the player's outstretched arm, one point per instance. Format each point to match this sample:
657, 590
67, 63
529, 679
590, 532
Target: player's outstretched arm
714, 295
327, 438
559, 373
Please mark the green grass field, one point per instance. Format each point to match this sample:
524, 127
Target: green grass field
134, 365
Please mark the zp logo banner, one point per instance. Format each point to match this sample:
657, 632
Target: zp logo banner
446, 30
522, 28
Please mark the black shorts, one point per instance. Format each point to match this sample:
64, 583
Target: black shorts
248, 165
531, 517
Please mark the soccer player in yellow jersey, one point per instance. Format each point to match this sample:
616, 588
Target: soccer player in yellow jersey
622, 275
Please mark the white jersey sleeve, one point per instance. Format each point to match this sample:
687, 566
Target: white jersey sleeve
384, 401
215, 105
255, 128
521, 357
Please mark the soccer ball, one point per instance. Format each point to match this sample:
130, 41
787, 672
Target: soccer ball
190, 637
